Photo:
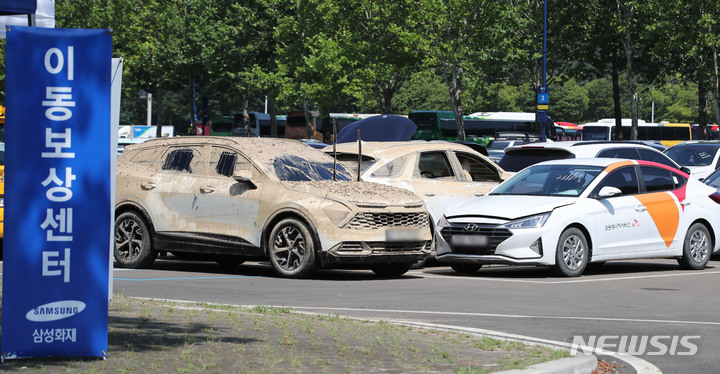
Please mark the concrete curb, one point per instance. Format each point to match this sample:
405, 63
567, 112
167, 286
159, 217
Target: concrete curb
571, 365
579, 364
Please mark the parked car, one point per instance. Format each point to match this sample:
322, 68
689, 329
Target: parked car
700, 156
713, 180
496, 147
568, 213
519, 157
235, 199
441, 173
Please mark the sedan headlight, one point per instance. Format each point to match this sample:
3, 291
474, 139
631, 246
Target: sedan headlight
527, 222
337, 213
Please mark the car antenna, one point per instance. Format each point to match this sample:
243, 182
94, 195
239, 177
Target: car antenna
359, 154
334, 140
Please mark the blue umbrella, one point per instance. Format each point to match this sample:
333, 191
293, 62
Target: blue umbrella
382, 128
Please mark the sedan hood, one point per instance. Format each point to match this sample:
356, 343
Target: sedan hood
363, 193
509, 206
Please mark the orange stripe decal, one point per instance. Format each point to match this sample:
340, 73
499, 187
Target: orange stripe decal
616, 165
664, 212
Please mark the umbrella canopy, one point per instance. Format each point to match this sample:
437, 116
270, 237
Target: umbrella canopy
382, 128
8, 7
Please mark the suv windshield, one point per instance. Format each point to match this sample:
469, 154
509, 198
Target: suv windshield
291, 168
519, 159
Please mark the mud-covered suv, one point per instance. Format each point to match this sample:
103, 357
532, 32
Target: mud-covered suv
238, 199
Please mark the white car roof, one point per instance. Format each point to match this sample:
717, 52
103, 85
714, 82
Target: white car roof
587, 148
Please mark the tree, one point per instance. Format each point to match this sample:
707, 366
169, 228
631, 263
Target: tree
571, 101
468, 38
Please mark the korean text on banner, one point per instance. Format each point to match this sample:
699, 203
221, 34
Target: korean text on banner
58, 166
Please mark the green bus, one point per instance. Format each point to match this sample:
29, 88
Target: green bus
480, 127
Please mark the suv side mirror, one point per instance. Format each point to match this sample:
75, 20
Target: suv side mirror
685, 170
244, 175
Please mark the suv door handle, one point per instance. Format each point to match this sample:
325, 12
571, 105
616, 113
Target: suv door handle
478, 194
640, 208
685, 203
148, 185
207, 189
429, 194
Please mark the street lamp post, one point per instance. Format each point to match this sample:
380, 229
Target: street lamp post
543, 96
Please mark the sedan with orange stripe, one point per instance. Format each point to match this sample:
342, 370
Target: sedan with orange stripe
568, 213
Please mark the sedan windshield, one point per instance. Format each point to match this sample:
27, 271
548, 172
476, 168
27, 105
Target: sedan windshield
550, 180
291, 168
697, 155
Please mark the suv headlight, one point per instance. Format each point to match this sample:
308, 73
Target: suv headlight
337, 213
527, 222
443, 222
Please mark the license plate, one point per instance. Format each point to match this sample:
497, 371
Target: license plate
403, 235
470, 240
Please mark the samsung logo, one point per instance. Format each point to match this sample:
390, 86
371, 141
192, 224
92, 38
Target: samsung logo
55, 311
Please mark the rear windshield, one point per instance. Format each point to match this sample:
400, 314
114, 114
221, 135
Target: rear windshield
519, 159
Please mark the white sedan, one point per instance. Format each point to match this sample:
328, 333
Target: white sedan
568, 213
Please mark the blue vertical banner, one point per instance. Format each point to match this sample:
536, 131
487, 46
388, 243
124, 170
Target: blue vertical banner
58, 206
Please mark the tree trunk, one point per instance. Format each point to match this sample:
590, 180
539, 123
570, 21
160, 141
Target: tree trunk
702, 104
246, 115
455, 88
626, 18
716, 85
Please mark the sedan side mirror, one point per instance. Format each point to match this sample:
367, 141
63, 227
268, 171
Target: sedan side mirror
609, 191
685, 170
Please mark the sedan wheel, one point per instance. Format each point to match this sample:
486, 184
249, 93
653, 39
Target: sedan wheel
133, 248
697, 248
571, 255
292, 250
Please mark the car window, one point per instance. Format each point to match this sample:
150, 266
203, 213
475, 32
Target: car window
519, 159
629, 153
182, 159
692, 156
658, 179
433, 165
655, 156
146, 157
392, 169
477, 170
713, 180
624, 178
224, 161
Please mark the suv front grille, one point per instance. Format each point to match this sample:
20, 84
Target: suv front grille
369, 221
386, 247
495, 237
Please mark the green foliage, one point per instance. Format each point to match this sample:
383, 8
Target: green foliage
424, 91
402, 55
570, 101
